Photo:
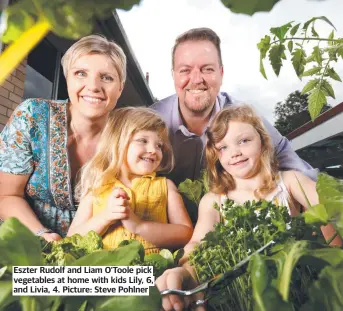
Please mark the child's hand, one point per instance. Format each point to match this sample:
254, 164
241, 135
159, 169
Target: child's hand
117, 206
132, 222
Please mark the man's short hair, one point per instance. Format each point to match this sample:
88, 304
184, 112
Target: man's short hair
198, 34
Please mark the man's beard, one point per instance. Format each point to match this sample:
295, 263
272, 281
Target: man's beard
199, 107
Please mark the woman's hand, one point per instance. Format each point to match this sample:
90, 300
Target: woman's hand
49, 237
177, 278
117, 206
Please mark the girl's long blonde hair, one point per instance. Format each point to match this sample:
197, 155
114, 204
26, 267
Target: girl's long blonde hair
220, 181
112, 148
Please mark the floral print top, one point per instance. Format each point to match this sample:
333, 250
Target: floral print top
34, 142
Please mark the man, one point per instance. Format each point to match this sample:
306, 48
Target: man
198, 74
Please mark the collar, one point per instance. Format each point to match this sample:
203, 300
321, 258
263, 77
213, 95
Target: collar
177, 122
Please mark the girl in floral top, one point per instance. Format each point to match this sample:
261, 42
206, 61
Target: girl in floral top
45, 142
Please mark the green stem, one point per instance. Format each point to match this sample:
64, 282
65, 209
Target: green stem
305, 38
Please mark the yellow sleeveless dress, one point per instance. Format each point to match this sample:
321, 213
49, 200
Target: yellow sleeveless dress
148, 200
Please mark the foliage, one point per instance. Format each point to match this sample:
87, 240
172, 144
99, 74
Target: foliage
318, 64
195, 190
292, 113
20, 247
243, 230
249, 7
292, 275
63, 252
28, 21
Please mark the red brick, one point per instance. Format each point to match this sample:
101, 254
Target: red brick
6, 102
9, 112
20, 75
3, 92
15, 98
17, 82
3, 110
18, 91
13, 73
8, 86
22, 68
3, 119
14, 105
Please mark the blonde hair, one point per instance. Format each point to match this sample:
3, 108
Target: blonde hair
112, 148
96, 44
220, 181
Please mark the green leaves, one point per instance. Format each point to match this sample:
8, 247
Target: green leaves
316, 215
249, 7
330, 192
276, 55
69, 19
328, 88
121, 256
331, 281
312, 71
265, 295
294, 29
333, 74
280, 32
317, 55
310, 86
316, 102
194, 190
125, 303
16, 240
313, 19
324, 56
263, 46
299, 61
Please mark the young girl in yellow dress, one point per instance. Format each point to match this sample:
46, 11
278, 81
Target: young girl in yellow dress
121, 196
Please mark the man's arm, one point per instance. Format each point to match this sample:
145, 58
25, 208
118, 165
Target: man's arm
288, 159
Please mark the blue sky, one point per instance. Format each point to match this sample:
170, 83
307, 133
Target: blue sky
153, 26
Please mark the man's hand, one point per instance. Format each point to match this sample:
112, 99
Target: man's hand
177, 278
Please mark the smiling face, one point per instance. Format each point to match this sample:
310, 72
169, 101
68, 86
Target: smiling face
93, 85
197, 75
144, 153
240, 150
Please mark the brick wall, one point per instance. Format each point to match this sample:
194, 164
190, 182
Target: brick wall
11, 93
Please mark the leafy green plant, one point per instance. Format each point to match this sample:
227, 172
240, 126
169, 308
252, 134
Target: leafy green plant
243, 230
20, 247
290, 275
28, 21
195, 190
249, 7
293, 39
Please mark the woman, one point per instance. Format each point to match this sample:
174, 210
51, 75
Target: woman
45, 142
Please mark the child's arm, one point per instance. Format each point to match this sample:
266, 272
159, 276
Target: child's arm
174, 234
184, 277
309, 186
84, 221
208, 217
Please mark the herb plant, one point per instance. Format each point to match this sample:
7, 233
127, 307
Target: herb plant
301, 272
20, 247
